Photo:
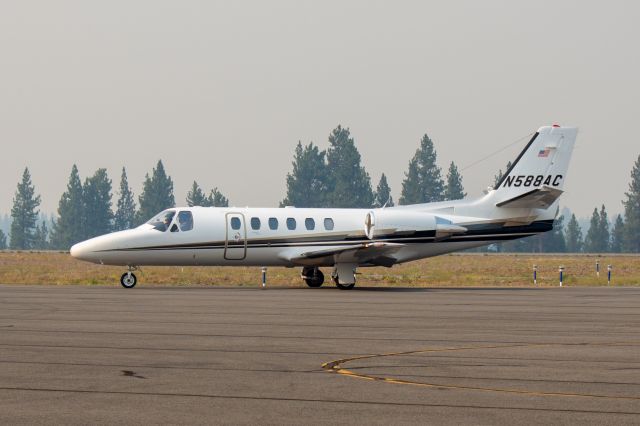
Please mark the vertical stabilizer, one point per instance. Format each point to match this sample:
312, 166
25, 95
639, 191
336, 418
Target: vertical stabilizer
536, 178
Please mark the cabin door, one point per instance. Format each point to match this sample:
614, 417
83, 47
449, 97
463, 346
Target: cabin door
235, 246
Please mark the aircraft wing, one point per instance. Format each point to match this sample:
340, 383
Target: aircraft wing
375, 253
540, 198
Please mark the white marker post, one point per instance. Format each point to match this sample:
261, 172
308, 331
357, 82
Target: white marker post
561, 270
535, 275
264, 277
609, 268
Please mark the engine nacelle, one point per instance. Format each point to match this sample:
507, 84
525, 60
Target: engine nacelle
397, 222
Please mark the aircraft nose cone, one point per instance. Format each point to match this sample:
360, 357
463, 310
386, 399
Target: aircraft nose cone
81, 251
76, 250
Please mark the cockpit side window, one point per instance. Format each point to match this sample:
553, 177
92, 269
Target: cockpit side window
162, 221
185, 220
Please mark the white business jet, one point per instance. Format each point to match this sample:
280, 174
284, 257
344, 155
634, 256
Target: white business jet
523, 203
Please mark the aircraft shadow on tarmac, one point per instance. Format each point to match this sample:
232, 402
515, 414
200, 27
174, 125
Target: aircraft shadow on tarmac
332, 288
429, 289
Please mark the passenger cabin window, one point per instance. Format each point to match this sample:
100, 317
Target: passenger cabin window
273, 223
162, 221
255, 223
291, 224
310, 224
235, 223
185, 220
328, 224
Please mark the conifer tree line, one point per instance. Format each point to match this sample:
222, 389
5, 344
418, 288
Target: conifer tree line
86, 209
334, 177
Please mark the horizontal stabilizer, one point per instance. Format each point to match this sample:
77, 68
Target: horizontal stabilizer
540, 198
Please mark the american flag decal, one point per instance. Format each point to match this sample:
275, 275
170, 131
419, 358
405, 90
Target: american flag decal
544, 152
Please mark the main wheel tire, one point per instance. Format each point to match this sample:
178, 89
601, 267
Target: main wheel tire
313, 283
128, 280
343, 286
316, 278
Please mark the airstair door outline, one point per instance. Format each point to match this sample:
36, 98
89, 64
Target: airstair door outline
235, 245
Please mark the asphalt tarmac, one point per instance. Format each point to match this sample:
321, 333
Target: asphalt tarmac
150, 355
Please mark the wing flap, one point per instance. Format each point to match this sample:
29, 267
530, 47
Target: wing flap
356, 253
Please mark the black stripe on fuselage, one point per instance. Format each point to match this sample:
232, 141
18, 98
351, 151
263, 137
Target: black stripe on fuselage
475, 233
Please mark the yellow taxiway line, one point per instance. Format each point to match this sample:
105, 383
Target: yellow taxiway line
337, 368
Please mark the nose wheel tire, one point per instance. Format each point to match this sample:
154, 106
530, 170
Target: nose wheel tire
128, 280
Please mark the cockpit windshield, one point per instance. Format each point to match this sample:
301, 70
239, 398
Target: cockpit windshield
162, 221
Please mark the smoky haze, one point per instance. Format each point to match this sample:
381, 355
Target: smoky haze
223, 91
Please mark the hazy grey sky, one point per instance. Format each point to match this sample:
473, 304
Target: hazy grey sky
222, 91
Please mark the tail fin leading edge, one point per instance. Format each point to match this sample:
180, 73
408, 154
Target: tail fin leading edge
537, 176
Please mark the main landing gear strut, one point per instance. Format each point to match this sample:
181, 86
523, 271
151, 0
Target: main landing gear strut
128, 279
312, 276
343, 276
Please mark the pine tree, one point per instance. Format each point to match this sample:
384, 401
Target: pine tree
157, 194
605, 237
3, 240
96, 194
592, 239
25, 214
454, 190
126, 206
195, 197
216, 199
349, 183
573, 235
617, 235
631, 241
498, 177
307, 183
383, 194
69, 228
411, 186
423, 182
597, 239
41, 240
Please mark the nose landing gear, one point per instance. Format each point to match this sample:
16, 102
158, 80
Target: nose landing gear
128, 279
